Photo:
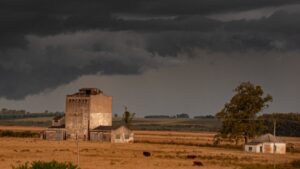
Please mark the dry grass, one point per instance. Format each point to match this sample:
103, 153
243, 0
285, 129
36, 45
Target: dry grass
186, 138
193, 138
15, 151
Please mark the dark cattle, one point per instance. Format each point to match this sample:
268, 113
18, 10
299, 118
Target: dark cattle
146, 154
198, 163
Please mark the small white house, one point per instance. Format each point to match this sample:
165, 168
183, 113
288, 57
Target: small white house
122, 134
266, 144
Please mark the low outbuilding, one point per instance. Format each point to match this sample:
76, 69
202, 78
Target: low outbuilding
101, 134
57, 130
266, 144
116, 134
54, 134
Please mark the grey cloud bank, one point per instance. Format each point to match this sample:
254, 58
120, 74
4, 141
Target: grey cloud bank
48, 44
199, 86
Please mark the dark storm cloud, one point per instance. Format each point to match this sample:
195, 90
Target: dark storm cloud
44, 44
48, 17
279, 32
205, 7
19, 84
49, 62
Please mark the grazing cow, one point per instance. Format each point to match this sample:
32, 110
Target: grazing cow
198, 163
146, 154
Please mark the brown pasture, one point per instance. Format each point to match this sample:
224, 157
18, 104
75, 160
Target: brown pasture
14, 151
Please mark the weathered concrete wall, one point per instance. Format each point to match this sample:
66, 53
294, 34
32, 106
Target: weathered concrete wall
100, 111
77, 116
103, 119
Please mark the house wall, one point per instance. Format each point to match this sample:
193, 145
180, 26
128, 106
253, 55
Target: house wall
255, 148
122, 135
267, 148
281, 148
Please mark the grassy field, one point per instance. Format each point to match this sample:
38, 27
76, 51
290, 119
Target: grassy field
201, 124
33, 121
169, 150
137, 124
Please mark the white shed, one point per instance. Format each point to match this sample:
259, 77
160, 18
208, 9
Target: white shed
266, 144
122, 134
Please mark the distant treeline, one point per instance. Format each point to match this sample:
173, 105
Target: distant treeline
6, 114
287, 124
157, 116
205, 117
182, 115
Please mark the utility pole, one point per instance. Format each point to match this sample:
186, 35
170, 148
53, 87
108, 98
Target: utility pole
274, 127
274, 147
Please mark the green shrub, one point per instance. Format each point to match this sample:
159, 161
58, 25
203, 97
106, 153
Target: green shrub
47, 165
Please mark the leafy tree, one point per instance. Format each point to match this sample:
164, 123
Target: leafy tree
128, 116
239, 116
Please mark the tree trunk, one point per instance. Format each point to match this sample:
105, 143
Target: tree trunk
246, 139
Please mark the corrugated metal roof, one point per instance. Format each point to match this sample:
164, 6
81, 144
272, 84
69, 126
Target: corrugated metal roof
104, 128
266, 138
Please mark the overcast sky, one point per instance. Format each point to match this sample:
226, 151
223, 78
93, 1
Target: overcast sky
156, 57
